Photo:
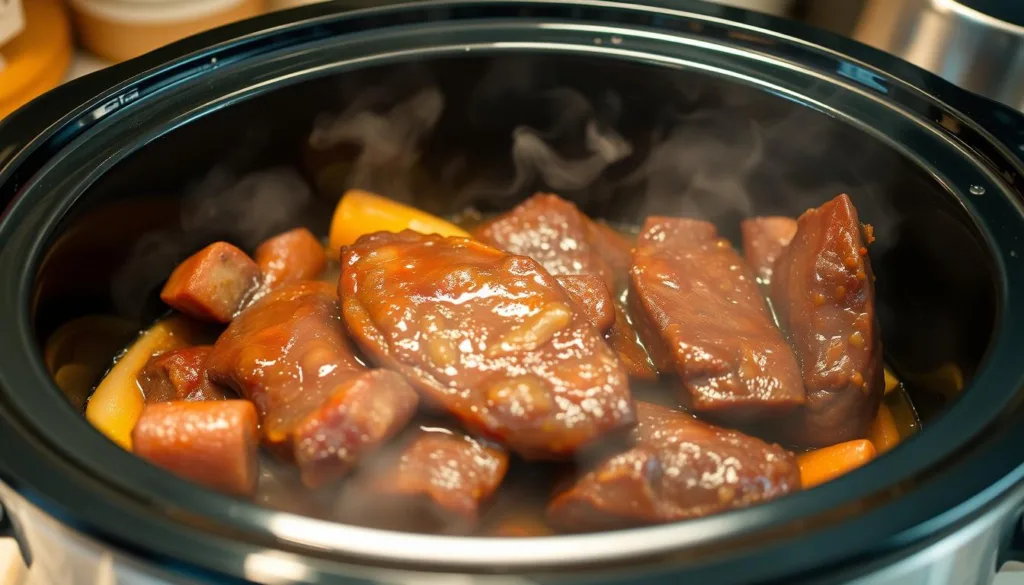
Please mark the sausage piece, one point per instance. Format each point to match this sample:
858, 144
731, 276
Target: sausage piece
704, 303
591, 295
319, 406
293, 255
552, 231
438, 479
211, 443
677, 468
763, 241
212, 284
179, 374
824, 295
489, 336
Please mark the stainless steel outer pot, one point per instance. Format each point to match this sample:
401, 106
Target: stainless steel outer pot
727, 113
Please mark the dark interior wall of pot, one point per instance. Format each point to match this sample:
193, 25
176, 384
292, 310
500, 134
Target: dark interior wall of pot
622, 140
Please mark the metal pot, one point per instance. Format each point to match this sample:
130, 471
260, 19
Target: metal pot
726, 113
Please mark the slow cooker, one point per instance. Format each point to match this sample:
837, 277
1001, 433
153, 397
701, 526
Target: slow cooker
664, 108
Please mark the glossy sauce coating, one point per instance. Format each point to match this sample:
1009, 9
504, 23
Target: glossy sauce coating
554, 232
491, 337
707, 308
763, 241
294, 255
823, 292
211, 443
213, 284
319, 405
437, 476
179, 374
557, 234
678, 468
591, 296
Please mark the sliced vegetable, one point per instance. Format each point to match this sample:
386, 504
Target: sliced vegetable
825, 464
359, 213
884, 433
891, 383
115, 406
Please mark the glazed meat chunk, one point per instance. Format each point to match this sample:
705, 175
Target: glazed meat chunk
212, 443
763, 241
557, 234
318, 405
703, 303
592, 297
213, 284
179, 375
824, 294
291, 256
678, 467
491, 337
437, 479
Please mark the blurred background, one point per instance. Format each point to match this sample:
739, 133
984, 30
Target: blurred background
977, 44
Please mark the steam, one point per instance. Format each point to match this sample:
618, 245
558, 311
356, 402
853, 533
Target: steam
534, 158
244, 210
389, 143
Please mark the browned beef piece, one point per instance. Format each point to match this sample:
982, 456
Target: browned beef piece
212, 443
703, 302
552, 231
291, 256
591, 295
489, 336
213, 284
824, 294
677, 468
179, 375
319, 406
436, 478
557, 234
763, 241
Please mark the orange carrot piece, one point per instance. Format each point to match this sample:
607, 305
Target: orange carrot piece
828, 463
884, 434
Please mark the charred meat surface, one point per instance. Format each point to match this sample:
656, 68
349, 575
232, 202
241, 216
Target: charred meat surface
294, 255
591, 295
491, 337
704, 303
763, 241
824, 294
179, 374
213, 284
678, 468
319, 406
212, 443
437, 478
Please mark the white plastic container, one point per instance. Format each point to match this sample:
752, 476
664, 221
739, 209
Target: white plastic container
121, 29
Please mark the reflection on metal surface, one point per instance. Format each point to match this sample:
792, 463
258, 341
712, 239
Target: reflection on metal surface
969, 48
